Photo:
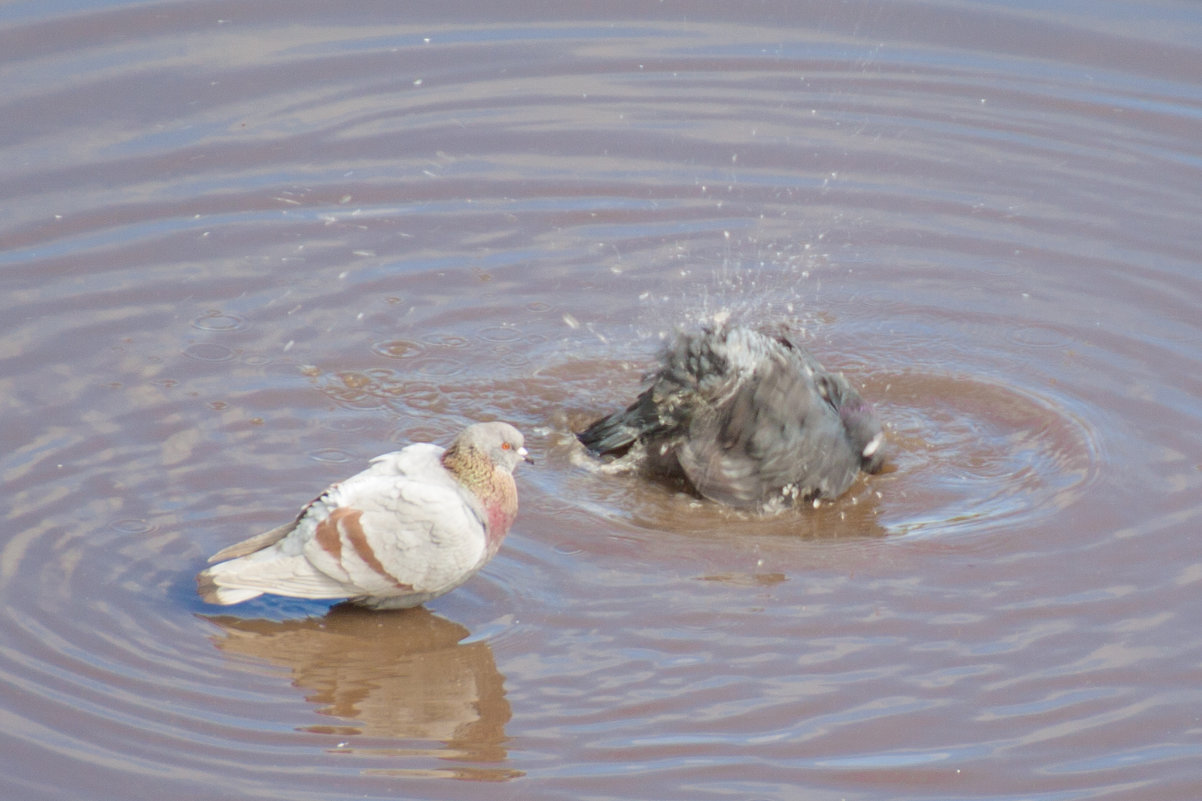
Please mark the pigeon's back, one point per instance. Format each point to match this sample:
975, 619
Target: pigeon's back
773, 433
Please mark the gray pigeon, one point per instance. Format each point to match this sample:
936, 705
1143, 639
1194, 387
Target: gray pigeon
749, 418
414, 525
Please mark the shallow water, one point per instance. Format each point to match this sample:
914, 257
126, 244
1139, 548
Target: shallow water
246, 247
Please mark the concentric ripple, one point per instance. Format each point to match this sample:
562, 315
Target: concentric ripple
973, 455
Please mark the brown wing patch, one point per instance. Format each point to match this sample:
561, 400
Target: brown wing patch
328, 534
346, 523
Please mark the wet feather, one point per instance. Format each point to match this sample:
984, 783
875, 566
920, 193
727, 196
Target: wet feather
748, 417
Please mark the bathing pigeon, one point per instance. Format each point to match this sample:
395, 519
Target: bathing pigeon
749, 418
415, 524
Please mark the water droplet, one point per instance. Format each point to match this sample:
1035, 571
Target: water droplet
214, 320
208, 352
398, 349
497, 333
448, 340
331, 456
131, 526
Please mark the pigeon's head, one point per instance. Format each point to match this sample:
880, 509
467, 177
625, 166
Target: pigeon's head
500, 443
859, 419
864, 432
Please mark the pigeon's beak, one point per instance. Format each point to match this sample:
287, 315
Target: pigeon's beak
525, 454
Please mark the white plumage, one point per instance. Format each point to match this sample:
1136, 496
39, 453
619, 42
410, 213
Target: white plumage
414, 525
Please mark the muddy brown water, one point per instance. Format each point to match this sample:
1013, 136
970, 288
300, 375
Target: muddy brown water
246, 247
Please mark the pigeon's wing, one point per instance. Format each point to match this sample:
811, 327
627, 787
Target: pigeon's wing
255, 543
774, 436
398, 536
690, 373
387, 464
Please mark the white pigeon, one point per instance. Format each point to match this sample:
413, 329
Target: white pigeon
414, 525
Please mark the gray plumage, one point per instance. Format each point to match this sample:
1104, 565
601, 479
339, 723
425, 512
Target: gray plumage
749, 417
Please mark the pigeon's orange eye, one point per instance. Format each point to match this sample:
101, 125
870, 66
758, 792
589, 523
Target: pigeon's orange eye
505, 446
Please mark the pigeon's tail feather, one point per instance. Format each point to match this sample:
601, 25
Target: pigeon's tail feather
213, 593
250, 576
614, 434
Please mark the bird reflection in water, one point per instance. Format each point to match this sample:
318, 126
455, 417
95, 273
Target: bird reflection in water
400, 676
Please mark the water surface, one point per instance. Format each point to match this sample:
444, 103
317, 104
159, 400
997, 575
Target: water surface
244, 248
